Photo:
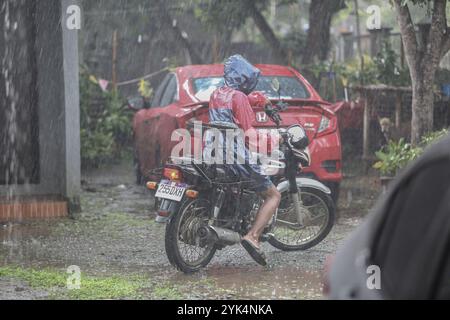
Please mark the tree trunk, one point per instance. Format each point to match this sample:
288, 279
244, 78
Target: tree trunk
422, 109
267, 33
318, 40
423, 60
423, 75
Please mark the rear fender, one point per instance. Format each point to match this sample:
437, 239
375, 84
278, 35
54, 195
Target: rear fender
167, 209
305, 182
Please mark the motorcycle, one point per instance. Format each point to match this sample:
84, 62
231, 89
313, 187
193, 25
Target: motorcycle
207, 210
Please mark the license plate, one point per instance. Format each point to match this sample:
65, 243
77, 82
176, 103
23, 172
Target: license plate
170, 190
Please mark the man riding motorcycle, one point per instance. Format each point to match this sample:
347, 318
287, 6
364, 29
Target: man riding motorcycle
232, 104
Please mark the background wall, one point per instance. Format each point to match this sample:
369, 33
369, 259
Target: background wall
47, 98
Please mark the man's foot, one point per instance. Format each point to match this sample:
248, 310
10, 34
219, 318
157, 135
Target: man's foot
254, 250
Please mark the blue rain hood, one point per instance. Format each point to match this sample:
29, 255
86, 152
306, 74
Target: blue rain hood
240, 74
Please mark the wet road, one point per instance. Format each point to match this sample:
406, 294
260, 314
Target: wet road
116, 234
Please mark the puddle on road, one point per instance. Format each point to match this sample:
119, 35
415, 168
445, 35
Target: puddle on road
20, 243
260, 283
13, 232
23, 244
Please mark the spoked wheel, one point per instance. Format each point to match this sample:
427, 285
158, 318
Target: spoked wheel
183, 246
318, 208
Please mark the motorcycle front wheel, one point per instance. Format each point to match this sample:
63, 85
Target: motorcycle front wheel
182, 240
289, 235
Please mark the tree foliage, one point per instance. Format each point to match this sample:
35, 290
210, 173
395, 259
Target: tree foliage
321, 13
388, 71
226, 16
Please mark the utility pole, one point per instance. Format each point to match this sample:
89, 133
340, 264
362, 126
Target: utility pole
114, 60
358, 42
367, 111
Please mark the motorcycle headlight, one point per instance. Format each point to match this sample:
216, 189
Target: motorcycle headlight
303, 155
298, 138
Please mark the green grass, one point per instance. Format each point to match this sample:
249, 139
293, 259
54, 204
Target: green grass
107, 288
168, 292
91, 287
36, 279
114, 287
123, 219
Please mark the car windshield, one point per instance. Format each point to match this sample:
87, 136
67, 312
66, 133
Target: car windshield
291, 87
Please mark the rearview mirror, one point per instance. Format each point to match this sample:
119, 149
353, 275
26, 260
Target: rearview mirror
275, 84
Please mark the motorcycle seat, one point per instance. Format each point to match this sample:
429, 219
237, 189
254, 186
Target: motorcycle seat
221, 173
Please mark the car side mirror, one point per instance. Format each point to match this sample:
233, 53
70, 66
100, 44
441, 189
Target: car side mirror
275, 84
137, 103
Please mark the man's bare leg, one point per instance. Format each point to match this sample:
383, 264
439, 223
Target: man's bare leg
272, 199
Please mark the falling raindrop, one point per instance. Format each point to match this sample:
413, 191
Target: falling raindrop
9, 157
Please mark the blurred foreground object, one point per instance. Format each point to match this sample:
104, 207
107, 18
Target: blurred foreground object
405, 239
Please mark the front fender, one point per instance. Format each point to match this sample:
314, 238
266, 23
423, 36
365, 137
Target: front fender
305, 182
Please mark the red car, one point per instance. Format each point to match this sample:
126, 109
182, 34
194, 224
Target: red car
183, 96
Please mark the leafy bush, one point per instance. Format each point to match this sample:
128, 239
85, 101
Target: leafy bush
345, 74
396, 155
383, 69
388, 71
105, 126
432, 137
352, 74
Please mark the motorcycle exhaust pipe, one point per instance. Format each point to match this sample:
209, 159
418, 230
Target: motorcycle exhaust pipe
221, 235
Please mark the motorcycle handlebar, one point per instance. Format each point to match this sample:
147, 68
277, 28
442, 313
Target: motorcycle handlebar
272, 113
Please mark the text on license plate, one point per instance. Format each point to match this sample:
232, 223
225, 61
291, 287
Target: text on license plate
170, 190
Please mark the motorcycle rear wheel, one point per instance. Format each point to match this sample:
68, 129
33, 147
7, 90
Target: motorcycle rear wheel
181, 240
288, 235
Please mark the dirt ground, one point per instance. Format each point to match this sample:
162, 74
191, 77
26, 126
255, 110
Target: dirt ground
116, 237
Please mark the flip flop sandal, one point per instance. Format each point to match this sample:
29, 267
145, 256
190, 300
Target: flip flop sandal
256, 253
